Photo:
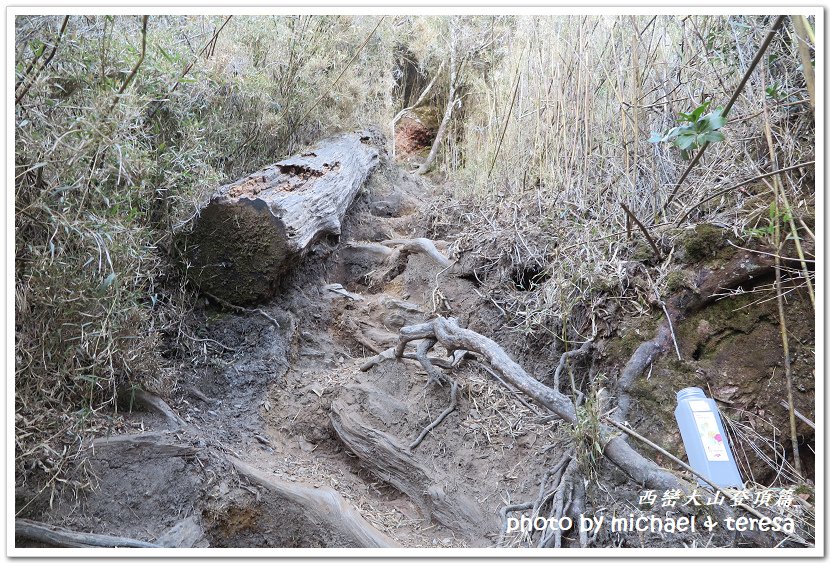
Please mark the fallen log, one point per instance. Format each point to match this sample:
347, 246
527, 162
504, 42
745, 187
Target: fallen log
250, 233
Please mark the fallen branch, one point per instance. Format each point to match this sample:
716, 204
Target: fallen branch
61, 537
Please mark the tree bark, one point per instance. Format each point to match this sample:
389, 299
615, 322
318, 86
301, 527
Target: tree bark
252, 231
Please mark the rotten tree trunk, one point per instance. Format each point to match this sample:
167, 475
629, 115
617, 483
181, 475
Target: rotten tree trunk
252, 231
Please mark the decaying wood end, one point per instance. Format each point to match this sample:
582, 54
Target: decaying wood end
254, 230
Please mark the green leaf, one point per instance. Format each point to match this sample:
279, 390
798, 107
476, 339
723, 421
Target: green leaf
685, 141
165, 54
655, 138
107, 282
716, 119
714, 137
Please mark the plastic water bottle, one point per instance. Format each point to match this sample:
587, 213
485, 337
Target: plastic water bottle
704, 439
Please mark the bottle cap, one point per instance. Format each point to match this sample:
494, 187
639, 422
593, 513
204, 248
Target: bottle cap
691, 393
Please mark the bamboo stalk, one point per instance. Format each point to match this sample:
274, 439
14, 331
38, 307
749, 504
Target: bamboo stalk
801, 26
45, 62
782, 321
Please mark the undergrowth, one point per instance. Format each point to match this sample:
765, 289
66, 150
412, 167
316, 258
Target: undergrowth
123, 126
119, 135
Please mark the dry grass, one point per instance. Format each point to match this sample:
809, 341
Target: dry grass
103, 181
549, 136
576, 146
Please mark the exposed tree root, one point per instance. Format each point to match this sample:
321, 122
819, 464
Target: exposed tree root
424, 246
586, 347
743, 268
321, 505
394, 252
157, 404
131, 448
453, 337
396, 464
440, 418
61, 537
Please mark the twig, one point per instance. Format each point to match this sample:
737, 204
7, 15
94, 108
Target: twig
586, 346
739, 185
761, 50
137, 65
779, 297
644, 230
804, 419
665, 312
336, 80
440, 419
187, 69
508, 114
230, 305
510, 389
671, 327
801, 27
45, 62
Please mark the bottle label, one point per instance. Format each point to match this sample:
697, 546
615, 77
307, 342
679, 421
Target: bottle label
713, 441
699, 406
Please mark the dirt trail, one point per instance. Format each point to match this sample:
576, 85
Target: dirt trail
264, 392
278, 435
